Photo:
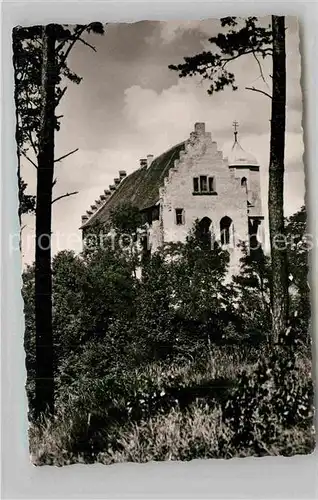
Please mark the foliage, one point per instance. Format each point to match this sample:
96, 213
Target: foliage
252, 290
126, 219
29, 332
245, 37
131, 416
197, 433
277, 395
299, 246
134, 355
26, 201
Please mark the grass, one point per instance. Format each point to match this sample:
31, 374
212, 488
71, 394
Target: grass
199, 433
157, 432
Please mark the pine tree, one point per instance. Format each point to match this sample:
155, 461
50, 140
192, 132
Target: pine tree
260, 42
40, 67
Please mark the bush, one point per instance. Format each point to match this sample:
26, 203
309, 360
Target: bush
276, 397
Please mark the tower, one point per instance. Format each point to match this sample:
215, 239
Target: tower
245, 168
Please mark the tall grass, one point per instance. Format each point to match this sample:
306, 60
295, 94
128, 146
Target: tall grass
140, 415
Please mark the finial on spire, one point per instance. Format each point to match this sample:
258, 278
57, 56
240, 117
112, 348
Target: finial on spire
235, 126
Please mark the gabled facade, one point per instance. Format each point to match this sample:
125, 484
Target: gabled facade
192, 181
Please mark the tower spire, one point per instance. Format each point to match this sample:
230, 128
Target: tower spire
235, 126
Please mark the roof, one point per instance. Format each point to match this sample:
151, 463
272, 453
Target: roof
141, 187
240, 158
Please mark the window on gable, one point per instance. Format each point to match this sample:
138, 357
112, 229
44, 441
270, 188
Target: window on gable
211, 184
179, 216
203, 183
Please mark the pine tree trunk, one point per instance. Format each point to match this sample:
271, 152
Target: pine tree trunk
276, 182
44, 390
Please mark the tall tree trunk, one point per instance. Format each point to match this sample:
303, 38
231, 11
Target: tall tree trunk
44, 390
276, 182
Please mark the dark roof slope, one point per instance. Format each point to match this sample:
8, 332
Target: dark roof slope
141, 187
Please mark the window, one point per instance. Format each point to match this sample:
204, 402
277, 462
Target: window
203, 230
203, 183
211, 184
179, 216
225, 224
244, 182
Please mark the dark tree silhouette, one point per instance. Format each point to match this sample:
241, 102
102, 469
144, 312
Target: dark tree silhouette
40, 67
276, 180
43, 273
260, 42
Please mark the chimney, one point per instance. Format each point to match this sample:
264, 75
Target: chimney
143, 162
93, 207
149, 160
84, 219
89, 213
107, 193
102, 197
199, 128
112, 188
98, 202
117, 181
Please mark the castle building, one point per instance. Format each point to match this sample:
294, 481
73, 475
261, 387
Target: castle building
191, 182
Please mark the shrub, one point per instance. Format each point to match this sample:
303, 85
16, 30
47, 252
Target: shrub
277, 396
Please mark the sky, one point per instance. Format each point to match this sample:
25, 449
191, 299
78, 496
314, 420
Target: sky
130, 104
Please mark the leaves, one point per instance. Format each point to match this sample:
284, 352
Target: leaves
247, 38
26, 201
277, 395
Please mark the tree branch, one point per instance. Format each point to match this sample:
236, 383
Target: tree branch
88, 44
65, 156
68, 50
260, 68
258, 90
29, 159
64, 196
226, 60
60, 96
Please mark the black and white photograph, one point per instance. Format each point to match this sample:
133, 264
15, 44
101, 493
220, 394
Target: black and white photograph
164, 240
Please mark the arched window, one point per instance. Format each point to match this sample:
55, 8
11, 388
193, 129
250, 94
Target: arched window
225, 224
244, 182
204, 230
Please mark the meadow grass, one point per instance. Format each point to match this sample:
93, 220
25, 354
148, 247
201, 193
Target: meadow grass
175, 433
